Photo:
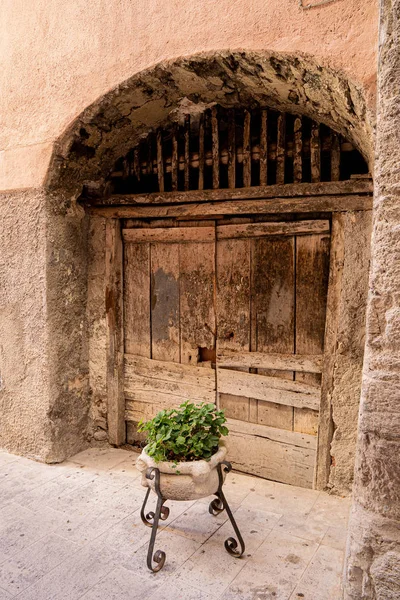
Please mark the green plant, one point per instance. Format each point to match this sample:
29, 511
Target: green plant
190, 432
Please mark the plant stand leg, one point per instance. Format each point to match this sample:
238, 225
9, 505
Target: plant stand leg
152, 519
218, 505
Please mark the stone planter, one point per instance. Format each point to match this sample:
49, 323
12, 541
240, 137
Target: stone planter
196, 479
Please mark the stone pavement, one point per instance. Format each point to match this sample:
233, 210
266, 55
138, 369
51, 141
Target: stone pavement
73, 531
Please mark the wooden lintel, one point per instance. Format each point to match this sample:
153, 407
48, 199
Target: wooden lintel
319, 204
288, 190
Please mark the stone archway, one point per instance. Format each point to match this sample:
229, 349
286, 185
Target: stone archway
85, 154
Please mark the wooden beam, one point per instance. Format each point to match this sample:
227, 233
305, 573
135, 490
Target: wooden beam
335, 157
322, 204
174, 159
115, 333
247, 149
264, 147
325, 429
187, 153
280, 149
249, 230
315, 148
288, 190
261, 360
160, 161
215, 147
297, 151
201, 153
231, 149
170, 235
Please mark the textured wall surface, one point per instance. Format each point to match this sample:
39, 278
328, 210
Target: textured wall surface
79, 81
59, 57
373, 565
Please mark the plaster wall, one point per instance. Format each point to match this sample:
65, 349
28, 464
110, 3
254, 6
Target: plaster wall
58, 57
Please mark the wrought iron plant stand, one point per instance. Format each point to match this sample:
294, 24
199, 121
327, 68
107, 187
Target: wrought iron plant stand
216, 506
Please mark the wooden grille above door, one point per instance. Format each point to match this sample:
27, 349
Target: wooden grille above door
235, 148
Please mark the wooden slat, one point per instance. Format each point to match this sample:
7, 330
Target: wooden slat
137, 299
269, 389
297, 151
335, 157
273, 315
246, 149
136, 163
197, 309
115, 333
290, 438
215, 146
269, 452
174, 159
233, 312
165, 302
280, 149
325, 430
168, 371
146, 389
261, 360
264, 147
170, 235
315, 148
201, 153
262, 229
312, 270
287, 190
238, 207
231, 149
187, 153
160, 161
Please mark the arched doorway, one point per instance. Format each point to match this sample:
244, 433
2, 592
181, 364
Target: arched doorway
234, 258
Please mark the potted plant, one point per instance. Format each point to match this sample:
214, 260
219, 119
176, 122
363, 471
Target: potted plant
185, 445
184, 459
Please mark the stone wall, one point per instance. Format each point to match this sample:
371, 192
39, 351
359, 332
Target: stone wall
373, 564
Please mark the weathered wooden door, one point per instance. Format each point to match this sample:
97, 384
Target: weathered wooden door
248, 299
271, 304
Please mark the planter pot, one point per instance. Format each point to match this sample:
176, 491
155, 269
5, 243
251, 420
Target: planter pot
196, 479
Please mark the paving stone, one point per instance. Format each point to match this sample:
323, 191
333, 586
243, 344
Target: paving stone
197, 523
335, 537
21, 533
29, 565
322, 578
281, 499
99, 458
121, 584
5, 595
177, 589
274, 570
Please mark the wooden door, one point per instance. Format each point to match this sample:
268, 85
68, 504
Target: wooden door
169, 318
271, 303
248, 300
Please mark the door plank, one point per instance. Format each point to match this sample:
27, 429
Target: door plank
262, 360
138, 388
270, 389
262, 229
268, 452
165, 302
137, 299
170, 235
168, 371
273, 313
312, 271
233, 313
197, 311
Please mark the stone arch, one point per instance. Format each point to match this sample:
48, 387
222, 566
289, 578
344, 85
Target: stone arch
86, 153
107, 129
